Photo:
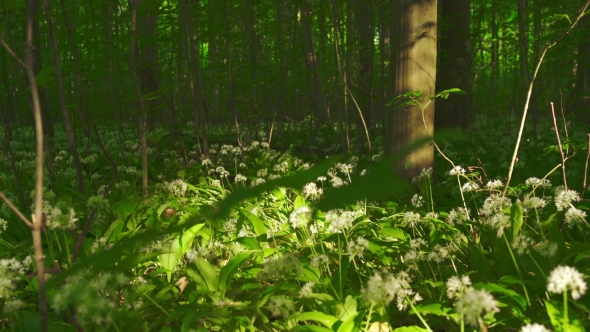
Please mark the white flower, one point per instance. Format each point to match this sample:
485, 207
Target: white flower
177, 187
340, 220
307, 289
473, 303
521, 244
534, 328
282, 267
534, 202
322, 178
470, 186
535, 182
457, 170
456, 286
574, 215
417, 201
357, 248
319, 260
311, 191
494, 184
412, 218
300, 216
280, 305
564, 278
564, 199
240, 178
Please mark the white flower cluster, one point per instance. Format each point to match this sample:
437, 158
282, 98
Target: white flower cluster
283, 267
495, 184
357, 248
383, 288
300, 216
535, 182
425, 174
177, 187
471, 303
312, 192
564, 278
457, 170
340, 220
280, 305
534, 327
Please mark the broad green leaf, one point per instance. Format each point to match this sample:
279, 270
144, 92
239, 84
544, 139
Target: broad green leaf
249, 242
114, 230
125, 208
178, 247
480, 262
231, 267
208, 272
433, 308
319, 317
516, 213
349, 325
258, 224
393, 232
347, 309
555, 312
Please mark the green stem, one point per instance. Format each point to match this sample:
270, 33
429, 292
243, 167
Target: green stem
418, 314
369, 317
526, 293
565, 314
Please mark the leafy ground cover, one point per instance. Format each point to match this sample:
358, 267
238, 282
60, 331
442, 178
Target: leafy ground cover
263, 239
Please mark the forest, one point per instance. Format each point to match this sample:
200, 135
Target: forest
188, 165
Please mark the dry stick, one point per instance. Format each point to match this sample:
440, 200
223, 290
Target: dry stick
586, 168
529, 93
104, 195
16, 211
38, 216
560, 148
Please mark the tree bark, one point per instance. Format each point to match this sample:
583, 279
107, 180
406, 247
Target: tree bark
414, 69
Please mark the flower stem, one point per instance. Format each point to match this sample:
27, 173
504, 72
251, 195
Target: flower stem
526, 293
418, 314
369, 318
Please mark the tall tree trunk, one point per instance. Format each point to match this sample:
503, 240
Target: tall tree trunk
143, 115
453, 64
414, 69
149, 65
316, 97
365, 56
62, 100
195, 76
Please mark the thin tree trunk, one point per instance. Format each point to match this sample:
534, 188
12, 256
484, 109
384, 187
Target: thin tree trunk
62, 100
143, 116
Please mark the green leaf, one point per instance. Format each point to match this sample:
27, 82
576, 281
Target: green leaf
208, 272
516, 213
349, 325
249, 242
319, 317
433, 308
125, 208
393, 232
178, 247
258, 224
347, 309
555, 312
521, 300
480, 262
231, 267
410, 329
